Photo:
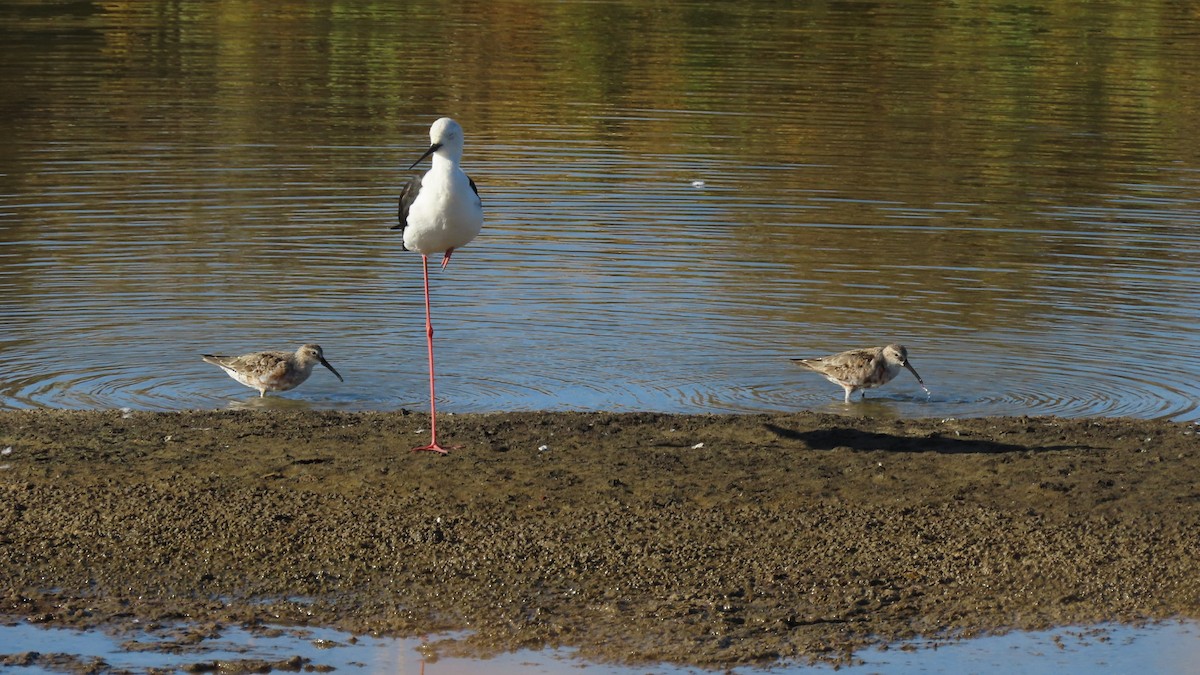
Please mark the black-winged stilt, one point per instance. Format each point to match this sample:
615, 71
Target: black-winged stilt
439, 212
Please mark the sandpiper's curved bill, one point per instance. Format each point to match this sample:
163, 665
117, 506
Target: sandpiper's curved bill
912, 370
339, 375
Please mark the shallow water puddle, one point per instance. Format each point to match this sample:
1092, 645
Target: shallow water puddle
1172, 647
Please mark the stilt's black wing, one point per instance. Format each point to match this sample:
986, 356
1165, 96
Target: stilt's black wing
407, 196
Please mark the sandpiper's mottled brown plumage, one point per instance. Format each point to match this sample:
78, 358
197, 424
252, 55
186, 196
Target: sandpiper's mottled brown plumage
862, 368
272, 371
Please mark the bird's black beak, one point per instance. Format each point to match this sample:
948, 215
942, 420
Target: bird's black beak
914, 372
326, 364
432, 149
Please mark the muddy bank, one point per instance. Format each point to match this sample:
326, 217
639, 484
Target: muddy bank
709, 540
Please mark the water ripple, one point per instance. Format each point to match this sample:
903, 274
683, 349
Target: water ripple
661, 236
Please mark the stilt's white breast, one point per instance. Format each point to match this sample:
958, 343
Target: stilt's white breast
446, 213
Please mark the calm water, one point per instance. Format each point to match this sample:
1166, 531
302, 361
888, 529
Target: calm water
678, 198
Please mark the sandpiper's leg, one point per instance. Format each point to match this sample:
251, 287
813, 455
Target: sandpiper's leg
849, 390
433, 444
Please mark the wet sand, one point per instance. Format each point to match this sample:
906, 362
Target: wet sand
704, 540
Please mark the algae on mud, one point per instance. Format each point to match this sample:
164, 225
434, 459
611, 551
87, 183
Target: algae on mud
783, 536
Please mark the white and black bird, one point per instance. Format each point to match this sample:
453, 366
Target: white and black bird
440, 212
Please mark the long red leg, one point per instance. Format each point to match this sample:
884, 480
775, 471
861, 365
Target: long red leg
433, 444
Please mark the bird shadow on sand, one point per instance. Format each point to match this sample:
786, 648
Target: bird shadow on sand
857, 439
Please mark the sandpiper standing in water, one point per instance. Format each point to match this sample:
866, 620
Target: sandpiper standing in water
862, 368
272, 371
440, 211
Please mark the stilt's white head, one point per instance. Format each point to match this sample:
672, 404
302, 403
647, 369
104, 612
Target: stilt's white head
445, 139
449, 135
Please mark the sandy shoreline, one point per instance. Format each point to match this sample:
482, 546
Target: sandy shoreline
706, 540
